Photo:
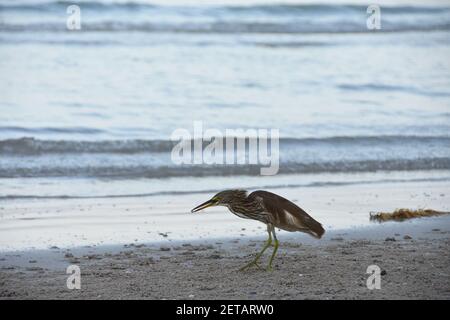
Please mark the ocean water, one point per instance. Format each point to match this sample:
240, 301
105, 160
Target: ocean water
89, 113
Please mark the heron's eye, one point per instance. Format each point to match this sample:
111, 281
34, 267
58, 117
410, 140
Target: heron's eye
216, 199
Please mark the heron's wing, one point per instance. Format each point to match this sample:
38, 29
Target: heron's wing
286, 215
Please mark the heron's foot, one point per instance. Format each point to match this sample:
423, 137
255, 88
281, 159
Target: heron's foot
250, 264
269, 268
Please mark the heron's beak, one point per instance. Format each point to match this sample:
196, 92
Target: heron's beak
204, 205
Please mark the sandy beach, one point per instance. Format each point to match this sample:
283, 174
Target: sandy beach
413, 255
413, 267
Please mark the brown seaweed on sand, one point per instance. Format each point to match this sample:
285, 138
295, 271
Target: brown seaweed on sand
404, 214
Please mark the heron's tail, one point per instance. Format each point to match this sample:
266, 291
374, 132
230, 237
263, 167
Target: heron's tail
315, 229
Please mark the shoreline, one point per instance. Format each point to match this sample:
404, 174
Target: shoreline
42, 224
420, 228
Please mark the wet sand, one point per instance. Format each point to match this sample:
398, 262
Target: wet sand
65, 223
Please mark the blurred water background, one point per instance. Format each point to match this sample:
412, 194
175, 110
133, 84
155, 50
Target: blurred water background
89, 113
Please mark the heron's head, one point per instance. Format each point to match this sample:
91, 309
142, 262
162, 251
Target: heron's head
223, 198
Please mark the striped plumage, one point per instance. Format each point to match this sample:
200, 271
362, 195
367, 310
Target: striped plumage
269, 208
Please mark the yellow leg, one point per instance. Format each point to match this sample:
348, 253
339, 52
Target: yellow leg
269, 267
254, 262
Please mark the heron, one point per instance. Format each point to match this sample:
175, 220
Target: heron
269, 208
